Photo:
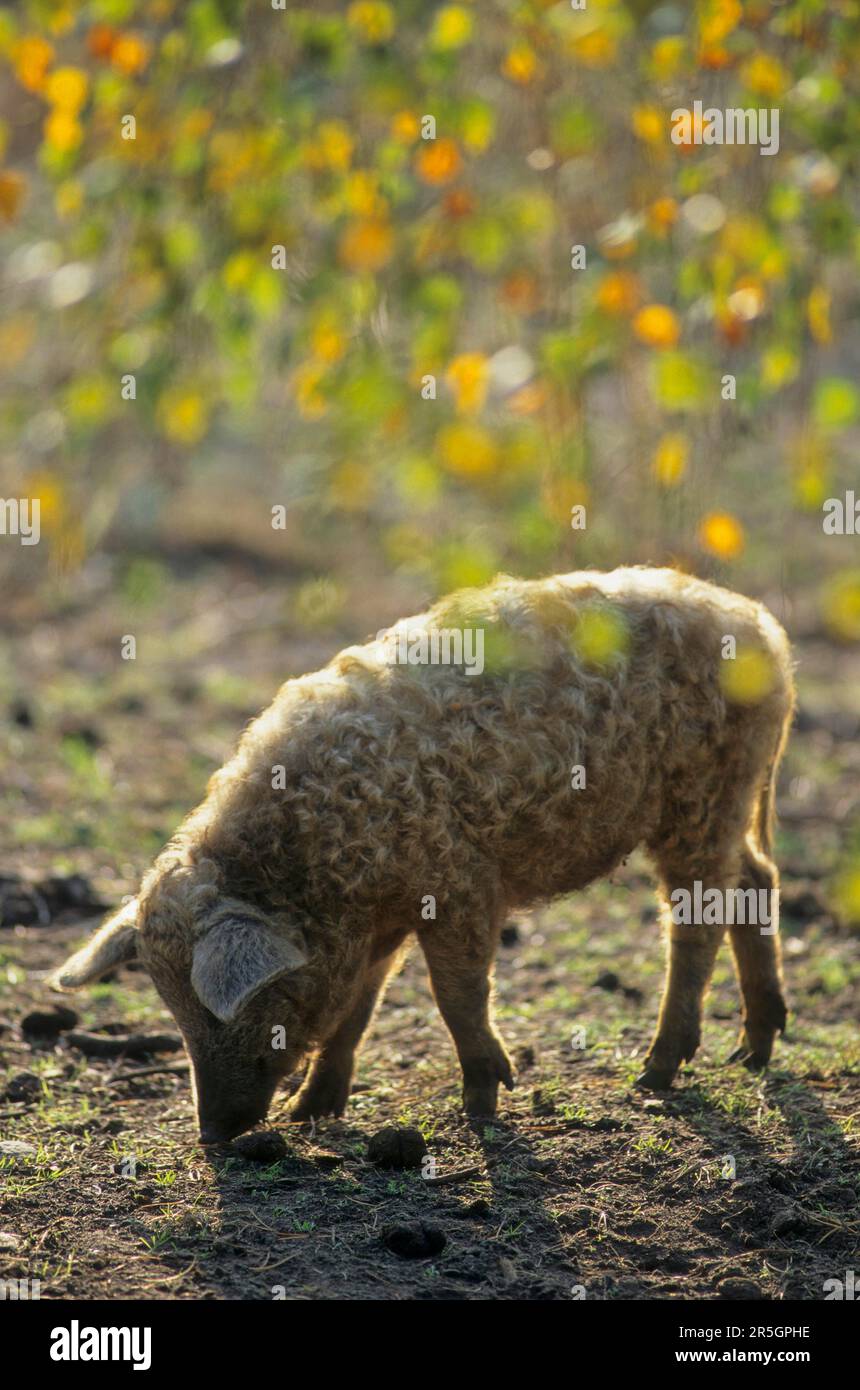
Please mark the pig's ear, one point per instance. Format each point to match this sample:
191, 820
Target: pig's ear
113, 944
238, 957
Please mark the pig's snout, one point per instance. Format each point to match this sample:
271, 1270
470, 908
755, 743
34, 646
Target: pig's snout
218, 1132
217, 1129
227, 1107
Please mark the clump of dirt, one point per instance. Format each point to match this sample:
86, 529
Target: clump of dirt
38, 903
47, 1025
262, 1146
397, 1147
417, 1241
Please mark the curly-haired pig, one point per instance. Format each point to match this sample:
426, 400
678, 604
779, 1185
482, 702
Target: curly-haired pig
509, 745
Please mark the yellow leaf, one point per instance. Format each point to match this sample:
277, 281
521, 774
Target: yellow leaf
667, 55
362, 195
130, 54
335, 145
13, 186
846, 893
53, 502
657, 325
66, 89
467, 450
351, 486
17, 336
649, 124
810, 490
595, 49
405, 127
765, 75
722, 534
372, 21
239, 271
670, 459
748, 677
438, 161
840, 606
183, 415
32, 56
818, 315
600, 637
328, 341
779, 365
520, 64
63, 131
366, 245
467, 378
661, 215
619, 293
309, 399
69, 198
717, 20
452, 28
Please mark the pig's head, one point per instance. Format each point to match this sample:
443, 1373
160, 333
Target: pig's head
231, 977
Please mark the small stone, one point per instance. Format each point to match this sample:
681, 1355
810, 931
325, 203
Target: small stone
131, 1167
327, 1162
738, 1289
48, 1024
608, 980
541, 1104
21, 713
478, 1210
24, 1085
263, 1146
397, 1147
16, 1150
789, 1222
9, 1241
417, 1241
803, 902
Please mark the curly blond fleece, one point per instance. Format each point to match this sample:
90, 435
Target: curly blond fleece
372, 800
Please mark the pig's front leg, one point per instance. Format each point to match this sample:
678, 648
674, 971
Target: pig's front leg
325, 1090
459, 958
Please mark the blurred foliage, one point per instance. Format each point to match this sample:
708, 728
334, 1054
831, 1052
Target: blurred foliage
322, 307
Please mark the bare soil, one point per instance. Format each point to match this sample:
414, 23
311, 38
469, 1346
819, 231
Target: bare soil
732, 1186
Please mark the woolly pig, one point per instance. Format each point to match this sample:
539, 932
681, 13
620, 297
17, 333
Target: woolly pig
405, 791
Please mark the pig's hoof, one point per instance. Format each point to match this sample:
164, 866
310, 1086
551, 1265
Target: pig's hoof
656, 1079
757, 1036
481, 1083
480, 1101
325, 1097
311, 1109
753, 1058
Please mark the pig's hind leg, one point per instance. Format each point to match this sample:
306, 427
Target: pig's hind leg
757, 962
701, 846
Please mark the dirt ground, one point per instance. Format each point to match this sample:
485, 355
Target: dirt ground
733, 1186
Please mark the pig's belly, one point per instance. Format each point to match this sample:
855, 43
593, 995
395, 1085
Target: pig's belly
541, 857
